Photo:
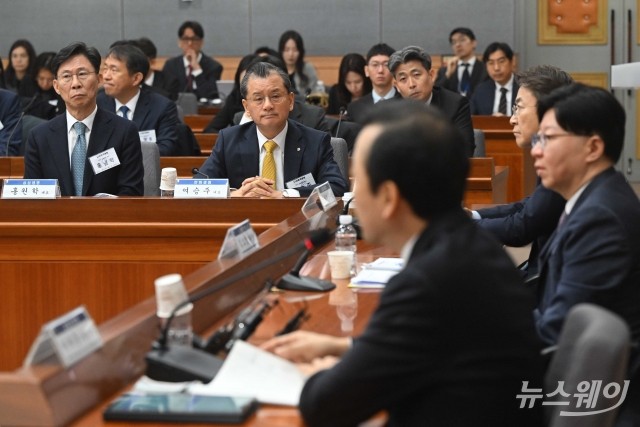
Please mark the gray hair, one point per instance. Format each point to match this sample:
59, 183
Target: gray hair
409, 53
263, 70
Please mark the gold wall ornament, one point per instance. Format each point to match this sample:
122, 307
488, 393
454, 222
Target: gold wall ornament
572, 21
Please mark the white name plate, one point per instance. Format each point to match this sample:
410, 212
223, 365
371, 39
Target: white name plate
30, 189
240, 241
201, 189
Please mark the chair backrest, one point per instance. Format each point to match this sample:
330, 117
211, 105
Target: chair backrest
151, 164
593, 347
28, 123
341, 155
189, 103
478, 138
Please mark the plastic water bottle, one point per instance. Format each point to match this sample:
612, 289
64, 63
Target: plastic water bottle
170, 292
180, 331
346, 238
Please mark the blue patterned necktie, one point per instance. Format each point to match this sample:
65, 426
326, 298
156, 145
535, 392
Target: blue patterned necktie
465, 82
79, 157
124, 110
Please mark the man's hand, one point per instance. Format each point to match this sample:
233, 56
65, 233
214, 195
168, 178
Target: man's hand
192, 57
304, 346
256, 186
452, 65
319, 364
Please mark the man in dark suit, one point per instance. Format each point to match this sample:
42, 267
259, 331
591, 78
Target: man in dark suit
156, 79
414, 79
532, 219
377, 69
155, 116
419, 359
10, 124
193, 70
462, 73
260, 158
496, 95
88, 150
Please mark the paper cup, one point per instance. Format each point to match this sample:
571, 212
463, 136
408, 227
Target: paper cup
340, 264
169, 293
168, 178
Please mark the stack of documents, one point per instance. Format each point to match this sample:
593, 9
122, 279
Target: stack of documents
376, 274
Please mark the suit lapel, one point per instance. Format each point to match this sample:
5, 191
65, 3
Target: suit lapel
142, 110
59, 149
98, 142
249, 153
293, 151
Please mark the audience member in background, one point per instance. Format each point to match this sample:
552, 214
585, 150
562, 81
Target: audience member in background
193, 70
156, 79
233, 103
496, 95
266, 51
532, 219
260, 157
302, 74
70, 146
464, 72
47, 104
414, 79
155, 116
431, 354
10, 124
20, 74
377, 70
352, 84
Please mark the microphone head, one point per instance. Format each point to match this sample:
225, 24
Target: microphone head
195, 171
318, 238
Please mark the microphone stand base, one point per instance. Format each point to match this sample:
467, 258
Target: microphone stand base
179, 364
291, 282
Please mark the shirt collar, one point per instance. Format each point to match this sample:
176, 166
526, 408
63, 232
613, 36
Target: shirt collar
88, 121
131, 105
186, 62
471, 62
568, 207
278, 139
407, 248
388, 95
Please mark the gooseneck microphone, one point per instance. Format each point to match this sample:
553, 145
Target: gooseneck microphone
24, 110
196, 171
292, 281
343, 110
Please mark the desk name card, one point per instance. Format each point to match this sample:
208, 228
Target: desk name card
30, 189
240, 241
188, 188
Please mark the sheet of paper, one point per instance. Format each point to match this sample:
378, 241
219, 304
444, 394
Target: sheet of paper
372, 277
252, 372
395, 264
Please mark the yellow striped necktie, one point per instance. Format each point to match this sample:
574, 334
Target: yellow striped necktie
269, 163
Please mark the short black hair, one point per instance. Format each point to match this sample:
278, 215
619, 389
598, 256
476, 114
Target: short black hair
379, 49
409, 53
135, 60
74, 49
462, 30
263, 69
541, 80
266, 50
147, 46
496, 46
195, 27
422, 153
586, 110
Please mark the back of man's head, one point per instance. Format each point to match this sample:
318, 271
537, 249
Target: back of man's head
147, 46
422, 153
409, 53
541, 80
262, 68
585, 110
135, 60
380, 49
77, 48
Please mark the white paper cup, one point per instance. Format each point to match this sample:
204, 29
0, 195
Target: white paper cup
170, 292
168, 178
340, 264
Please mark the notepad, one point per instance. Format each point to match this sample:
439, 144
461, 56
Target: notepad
375, 275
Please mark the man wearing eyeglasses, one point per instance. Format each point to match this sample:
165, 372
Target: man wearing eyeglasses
377, 69
193, 70
272, 156
462, 73
88, 150
496, 95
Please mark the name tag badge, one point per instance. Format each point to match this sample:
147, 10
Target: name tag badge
30, 189
148, 135
201, 189
301, 181
104, 161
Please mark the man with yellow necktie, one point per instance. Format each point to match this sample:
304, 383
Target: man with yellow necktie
272, 156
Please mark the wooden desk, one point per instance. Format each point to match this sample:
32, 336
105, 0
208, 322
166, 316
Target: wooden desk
206, 141
501, 145
197, 122
486, 181
210, 110
105, 253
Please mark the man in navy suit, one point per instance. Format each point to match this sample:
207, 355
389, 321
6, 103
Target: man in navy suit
452, 76
496, 95
110, 144
155, 79
10, 125
155, 116
414, 79
259, 158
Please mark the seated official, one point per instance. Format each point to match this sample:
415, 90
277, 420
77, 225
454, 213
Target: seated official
155, 116
496, 95
260, 157
431, 355
10, 112
67, 147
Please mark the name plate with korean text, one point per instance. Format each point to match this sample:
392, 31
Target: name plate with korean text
320, 199
187, 188
30, 189
240, 241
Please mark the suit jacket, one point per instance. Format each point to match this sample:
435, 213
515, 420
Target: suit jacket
357, 110
594, 256
153, 111
10, 112
163, 85
236, 156
531, 220
485, 95
456, 108
431, 354
206, 86
309, 115
47, 156
478, 75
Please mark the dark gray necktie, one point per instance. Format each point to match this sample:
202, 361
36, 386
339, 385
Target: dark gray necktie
465, 82
124, 110
502, 106
79, 157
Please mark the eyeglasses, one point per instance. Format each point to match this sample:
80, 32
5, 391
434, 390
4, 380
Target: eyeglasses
82, 75
541, 140
276, 98
461, 40
191, 39
376, 65
515, 108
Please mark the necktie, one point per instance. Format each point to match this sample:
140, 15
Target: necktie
465, 82
189, 79
79, 157
562, 219
124, 110
269, 163
502, 106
